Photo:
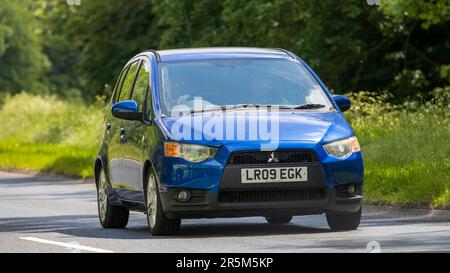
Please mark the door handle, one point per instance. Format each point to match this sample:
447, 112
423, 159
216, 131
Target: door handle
122, 133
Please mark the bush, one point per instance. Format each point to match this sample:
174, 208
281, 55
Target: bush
43, 133
406, 148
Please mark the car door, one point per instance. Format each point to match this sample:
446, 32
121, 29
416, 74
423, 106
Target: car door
133, 137
119, 182
111, 134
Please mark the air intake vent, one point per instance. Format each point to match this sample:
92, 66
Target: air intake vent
266, 157
270, 195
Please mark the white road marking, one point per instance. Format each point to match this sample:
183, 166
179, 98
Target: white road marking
67, 245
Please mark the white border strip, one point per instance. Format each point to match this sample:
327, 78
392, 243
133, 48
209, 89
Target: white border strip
67, 245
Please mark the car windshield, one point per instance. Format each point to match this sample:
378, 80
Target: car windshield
231, 82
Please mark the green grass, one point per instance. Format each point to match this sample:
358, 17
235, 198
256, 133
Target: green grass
406, 147
51, 158
45, 134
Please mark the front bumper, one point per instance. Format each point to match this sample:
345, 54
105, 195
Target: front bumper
207, 181
207, 205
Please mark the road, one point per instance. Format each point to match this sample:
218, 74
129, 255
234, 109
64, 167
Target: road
58, 214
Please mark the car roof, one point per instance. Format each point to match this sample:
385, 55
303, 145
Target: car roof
211, 53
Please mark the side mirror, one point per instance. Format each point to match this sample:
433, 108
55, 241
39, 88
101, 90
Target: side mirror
127, 109
342, 102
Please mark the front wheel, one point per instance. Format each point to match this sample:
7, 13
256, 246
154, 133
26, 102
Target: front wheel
110, 216
347, 221
158, 223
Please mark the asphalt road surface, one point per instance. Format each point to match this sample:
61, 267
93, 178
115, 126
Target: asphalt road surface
57, 214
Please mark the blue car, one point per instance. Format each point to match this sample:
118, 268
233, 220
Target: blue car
226, 132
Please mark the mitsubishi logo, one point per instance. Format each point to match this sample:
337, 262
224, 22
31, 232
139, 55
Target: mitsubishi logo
272, 158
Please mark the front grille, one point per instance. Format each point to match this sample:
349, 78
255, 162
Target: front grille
267, 157
270, 195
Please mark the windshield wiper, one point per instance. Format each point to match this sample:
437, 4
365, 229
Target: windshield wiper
249, 105
309, 106
253, 105
228, 107
218, 108
305, 106
299, 107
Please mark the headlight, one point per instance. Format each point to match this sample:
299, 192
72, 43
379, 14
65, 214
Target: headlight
190, 152
342, 148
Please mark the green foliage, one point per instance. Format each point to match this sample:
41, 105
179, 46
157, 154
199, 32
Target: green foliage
22, 62
49, 158
53, 18
43, 133
418, 32
106, 36
406, 148
351, 45
77, 51
429, 12
332, 37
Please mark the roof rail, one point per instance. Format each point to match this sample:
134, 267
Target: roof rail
158, 58
287, 52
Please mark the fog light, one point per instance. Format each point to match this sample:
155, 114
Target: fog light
183, 196
351, 190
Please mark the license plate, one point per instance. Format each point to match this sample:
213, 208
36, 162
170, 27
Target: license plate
268, 175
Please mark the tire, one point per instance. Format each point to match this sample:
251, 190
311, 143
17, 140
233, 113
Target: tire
110, 216
158, 223
348, 221
279, 219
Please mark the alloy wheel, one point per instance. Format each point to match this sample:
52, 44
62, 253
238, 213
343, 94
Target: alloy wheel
102, 196
152, 200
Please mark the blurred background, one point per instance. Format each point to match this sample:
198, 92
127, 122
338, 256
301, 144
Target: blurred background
60, 58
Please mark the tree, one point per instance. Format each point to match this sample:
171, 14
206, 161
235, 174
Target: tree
22, 62
401, 46
53, 18
421, 33
106, 35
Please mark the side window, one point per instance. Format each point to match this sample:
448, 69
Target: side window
128, 82
119, 84
141, 85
